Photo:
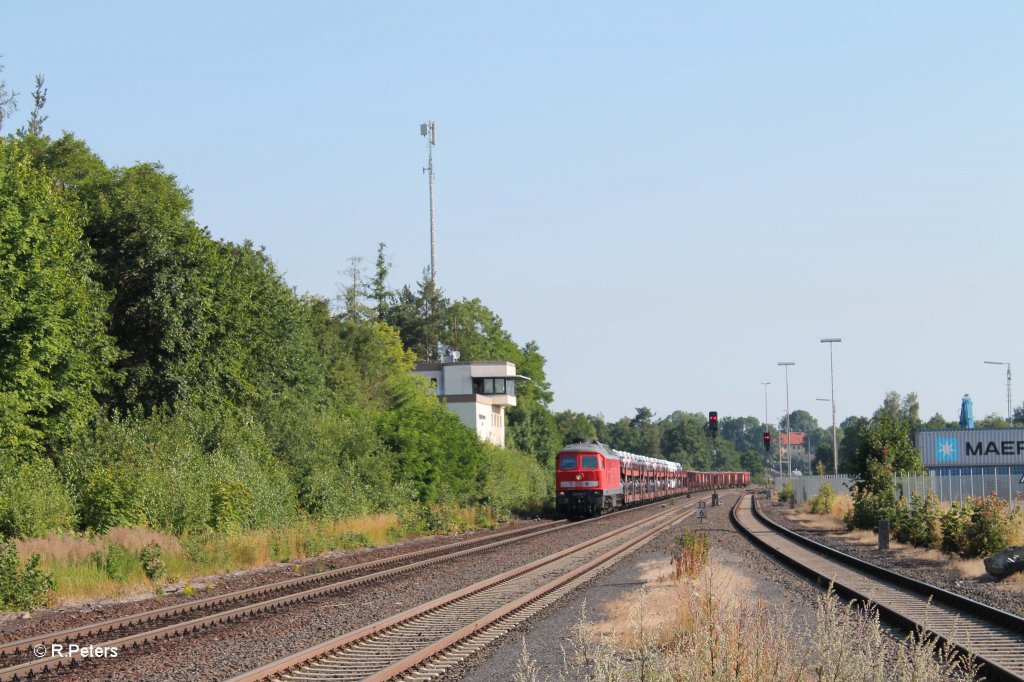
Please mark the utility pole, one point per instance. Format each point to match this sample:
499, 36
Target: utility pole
427, 130
789, 434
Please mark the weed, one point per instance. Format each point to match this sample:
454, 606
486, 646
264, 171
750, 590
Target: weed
822, 502
152, 558
25, 588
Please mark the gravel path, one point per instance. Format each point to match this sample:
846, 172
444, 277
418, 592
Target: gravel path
929, 567
547, 636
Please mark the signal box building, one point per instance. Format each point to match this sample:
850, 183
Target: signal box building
478, 392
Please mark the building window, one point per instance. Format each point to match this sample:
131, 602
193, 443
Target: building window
494, 386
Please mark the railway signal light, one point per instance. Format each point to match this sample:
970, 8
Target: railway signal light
713, 423
767, 441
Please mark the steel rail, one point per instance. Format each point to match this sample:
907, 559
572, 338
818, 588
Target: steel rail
474, 617
994, 637
8, 649
437, 555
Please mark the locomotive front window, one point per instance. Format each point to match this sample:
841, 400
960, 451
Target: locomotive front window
567, 462
588, 462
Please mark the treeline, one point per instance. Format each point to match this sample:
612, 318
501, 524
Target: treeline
152, 375
681, 437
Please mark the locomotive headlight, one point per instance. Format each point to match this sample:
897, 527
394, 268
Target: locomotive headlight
579, 477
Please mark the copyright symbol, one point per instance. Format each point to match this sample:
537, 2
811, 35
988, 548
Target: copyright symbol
39, 650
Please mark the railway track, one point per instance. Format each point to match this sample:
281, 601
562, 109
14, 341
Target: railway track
994, 637
21, 659
424, 642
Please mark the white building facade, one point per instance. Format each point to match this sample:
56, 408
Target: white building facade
477, 391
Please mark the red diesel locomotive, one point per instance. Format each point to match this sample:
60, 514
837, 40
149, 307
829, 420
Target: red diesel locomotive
591, 478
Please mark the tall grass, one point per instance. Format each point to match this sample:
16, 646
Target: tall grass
715, 634
111, 565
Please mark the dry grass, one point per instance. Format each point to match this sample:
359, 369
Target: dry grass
714, 627
64, 548
78, 562
817, 521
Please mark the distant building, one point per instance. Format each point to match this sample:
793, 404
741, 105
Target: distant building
478, 392
794, 447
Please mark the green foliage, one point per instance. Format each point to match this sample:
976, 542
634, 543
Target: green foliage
33, 501
55, 356
22, 588
918, 523
956, 526
979, 527
573, 426
823, 501
989, 530
516, 483
118, 563
179, 473
925, 528
868, 507
427, 519
152, 558
787, 494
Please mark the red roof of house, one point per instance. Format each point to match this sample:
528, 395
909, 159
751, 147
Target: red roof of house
794, 438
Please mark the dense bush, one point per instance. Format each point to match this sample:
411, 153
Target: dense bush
956, 527
823, 501
923, 527
23, 588
516, 483
178, 474
989, 526
787, 493
33, 501
977, 528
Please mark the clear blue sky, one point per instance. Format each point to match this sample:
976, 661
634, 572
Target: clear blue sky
670, 198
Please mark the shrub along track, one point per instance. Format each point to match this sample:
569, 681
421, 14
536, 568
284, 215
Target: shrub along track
995, 637
424, 642
19, 660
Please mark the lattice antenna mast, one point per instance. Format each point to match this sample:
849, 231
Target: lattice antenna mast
427, 130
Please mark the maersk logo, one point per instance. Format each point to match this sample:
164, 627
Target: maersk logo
946, 449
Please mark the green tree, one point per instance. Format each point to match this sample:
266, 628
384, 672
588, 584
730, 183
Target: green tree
420, 318
8, 100
905, 409
885, 449
939, 422
55, 356
745, 433
573, 426
992, 421
36, 119
379, 293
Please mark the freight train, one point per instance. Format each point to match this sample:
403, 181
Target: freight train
591, 478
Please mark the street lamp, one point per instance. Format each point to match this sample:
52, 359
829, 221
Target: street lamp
832, 371
1009, 401
823, 400
766, 384
789, 435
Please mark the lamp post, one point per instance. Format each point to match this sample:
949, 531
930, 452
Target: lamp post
1009, 400
766, 384
823, 400
789, 434
831, 367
